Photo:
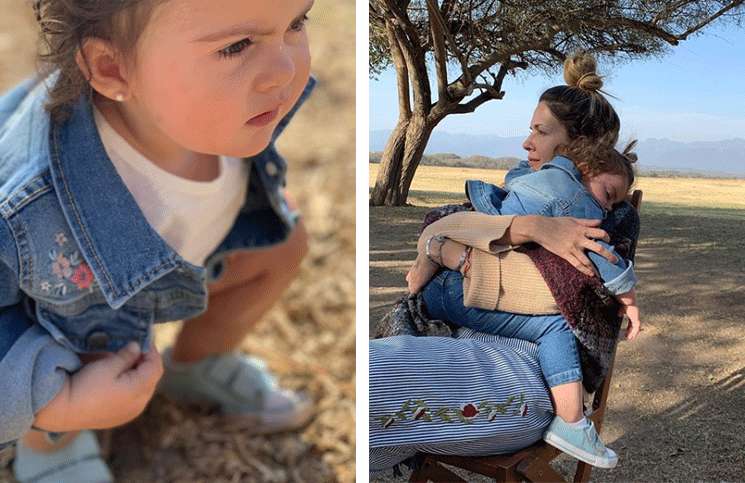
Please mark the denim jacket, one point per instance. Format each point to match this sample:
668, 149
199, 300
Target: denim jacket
81, 270
554, 190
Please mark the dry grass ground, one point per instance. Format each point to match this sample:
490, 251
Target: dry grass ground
308, 338
676, 411
716, 193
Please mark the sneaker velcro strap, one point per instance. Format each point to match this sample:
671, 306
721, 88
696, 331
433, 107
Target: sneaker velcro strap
243, 377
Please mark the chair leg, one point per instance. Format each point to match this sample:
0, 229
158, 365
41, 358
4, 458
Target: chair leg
582, 475
431, 470
537, 469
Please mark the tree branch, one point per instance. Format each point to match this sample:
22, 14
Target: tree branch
477, 101
625, 47
417, 73
492, 91
711, 18
402, 74
489, 89
670, 7
435, 11
437, 28
671, 38
414, 56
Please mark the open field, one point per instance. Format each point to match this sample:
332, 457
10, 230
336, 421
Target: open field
676, 410
719, 193
308, 338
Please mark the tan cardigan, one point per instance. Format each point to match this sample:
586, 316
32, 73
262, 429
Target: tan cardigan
500, 278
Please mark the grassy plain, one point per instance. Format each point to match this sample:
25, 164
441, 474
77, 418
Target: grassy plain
676, 410
430, 182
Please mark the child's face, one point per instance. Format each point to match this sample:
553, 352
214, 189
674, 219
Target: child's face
546, 132
607, 189
217, 76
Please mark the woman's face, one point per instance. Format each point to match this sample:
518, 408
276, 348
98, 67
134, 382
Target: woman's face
546, 132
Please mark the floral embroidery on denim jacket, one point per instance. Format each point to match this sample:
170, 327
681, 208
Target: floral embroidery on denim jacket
69, 268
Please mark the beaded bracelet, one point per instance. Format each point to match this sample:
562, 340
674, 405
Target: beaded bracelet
441, 240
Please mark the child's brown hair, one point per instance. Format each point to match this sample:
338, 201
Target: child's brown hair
65, 24
592, 161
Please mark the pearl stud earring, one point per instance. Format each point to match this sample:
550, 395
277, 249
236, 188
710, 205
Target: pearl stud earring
119, 97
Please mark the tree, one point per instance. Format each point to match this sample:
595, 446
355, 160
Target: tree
470, 46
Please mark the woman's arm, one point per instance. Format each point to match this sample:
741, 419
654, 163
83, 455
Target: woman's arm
493, 239
566, 237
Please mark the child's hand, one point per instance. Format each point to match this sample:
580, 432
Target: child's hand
631, 309
421, 272
106, 393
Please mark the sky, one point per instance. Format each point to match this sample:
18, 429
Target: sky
694, 93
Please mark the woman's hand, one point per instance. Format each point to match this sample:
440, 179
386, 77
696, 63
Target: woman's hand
450, 253
420, 273
566, 237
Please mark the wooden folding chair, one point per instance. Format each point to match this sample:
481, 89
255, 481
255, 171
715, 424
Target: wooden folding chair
529, 464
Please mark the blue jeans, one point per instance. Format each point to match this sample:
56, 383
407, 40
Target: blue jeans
557, 346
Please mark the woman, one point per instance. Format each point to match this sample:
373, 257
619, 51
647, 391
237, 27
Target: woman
477, 394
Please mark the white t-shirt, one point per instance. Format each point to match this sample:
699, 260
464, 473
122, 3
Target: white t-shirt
193, 217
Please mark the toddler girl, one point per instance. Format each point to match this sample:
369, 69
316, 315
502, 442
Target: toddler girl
138, 182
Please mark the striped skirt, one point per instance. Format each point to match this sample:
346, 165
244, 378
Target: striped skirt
471, 395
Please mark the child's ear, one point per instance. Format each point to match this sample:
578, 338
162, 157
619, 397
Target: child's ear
104, 68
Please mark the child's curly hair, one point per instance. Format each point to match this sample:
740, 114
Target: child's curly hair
65, 24
592, 160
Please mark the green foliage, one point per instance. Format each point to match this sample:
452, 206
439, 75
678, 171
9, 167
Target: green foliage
379, 53
453, 160
671, 173
443, 156
378, 49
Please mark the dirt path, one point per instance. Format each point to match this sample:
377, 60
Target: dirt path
308, 339
677, 408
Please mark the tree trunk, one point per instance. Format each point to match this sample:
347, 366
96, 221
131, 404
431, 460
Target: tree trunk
399, 161
389, 170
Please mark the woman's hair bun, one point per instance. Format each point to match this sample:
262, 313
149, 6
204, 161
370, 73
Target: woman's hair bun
580, 72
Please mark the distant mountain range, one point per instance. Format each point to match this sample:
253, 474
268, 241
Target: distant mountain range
719, 158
